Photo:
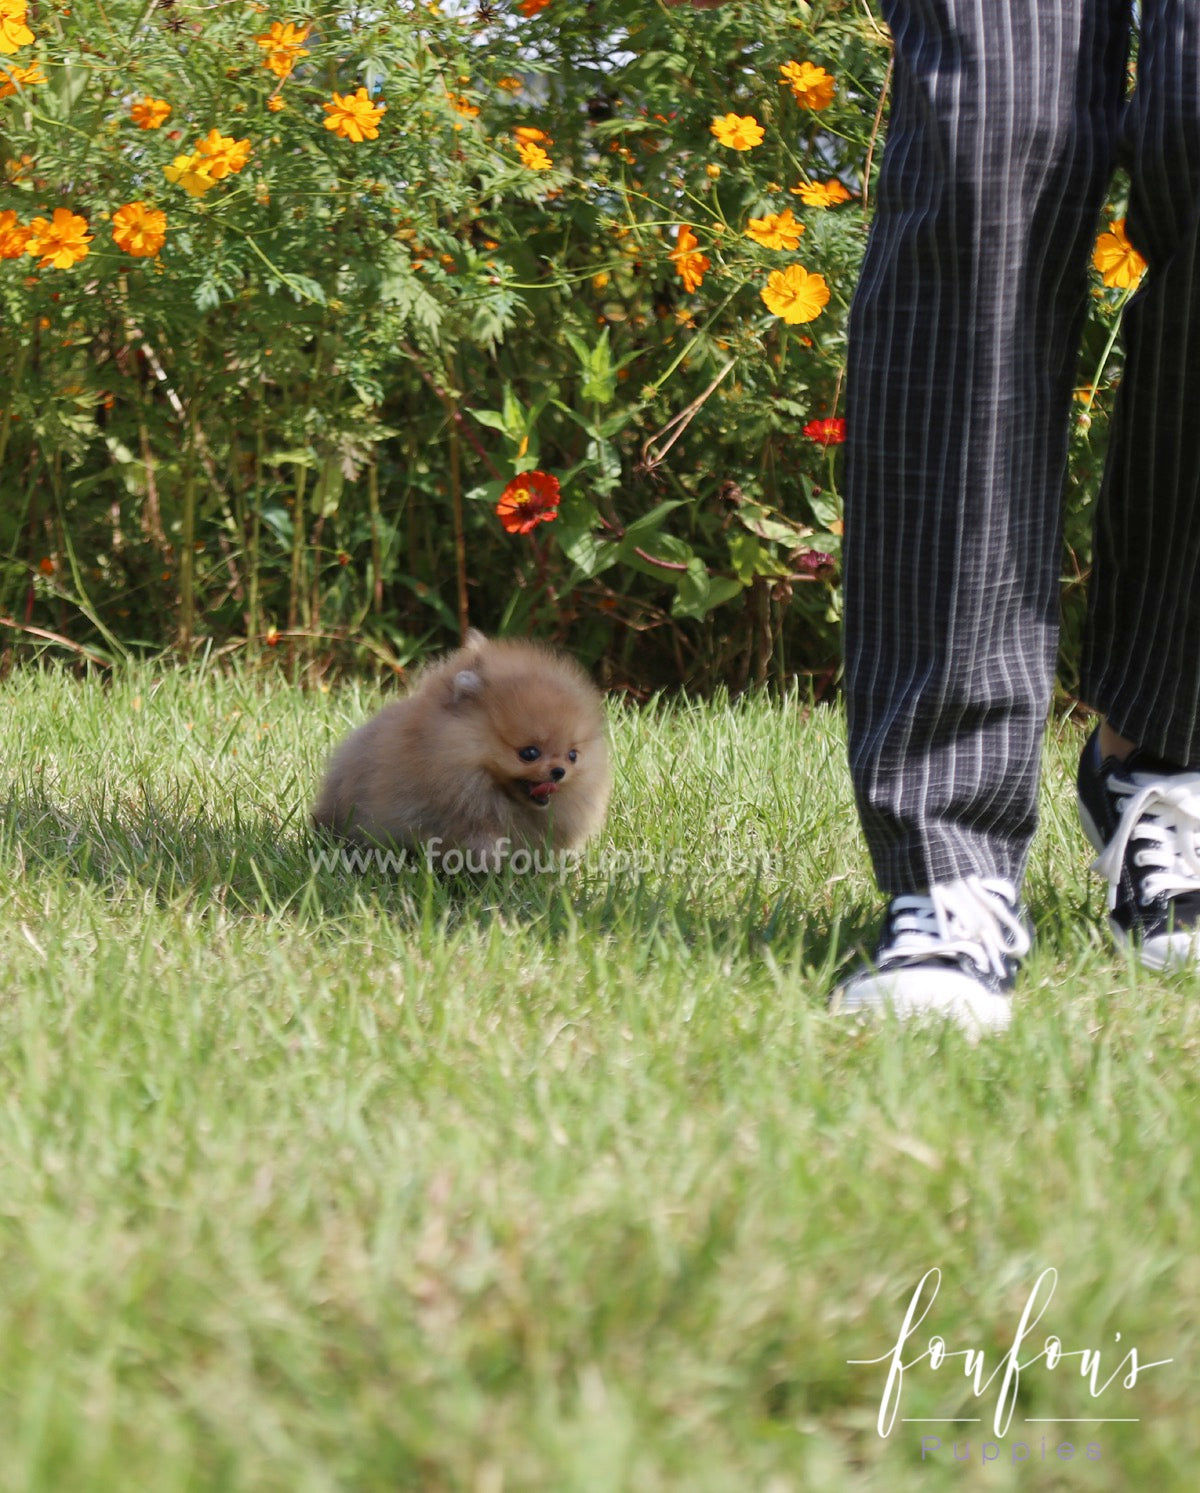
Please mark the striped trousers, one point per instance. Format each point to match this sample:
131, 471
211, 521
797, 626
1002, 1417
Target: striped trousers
1007, 119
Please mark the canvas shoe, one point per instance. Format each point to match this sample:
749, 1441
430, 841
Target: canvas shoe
1143, 816
950, 953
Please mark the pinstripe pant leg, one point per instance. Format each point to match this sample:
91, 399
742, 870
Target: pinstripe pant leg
963, 339
1142, 646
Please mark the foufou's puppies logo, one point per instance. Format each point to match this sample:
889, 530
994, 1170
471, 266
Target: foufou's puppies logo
1098, 1370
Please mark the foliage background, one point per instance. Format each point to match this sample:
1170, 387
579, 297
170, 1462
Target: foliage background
288, 430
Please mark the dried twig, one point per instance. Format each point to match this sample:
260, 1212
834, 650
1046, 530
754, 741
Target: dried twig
55, 637
677, 424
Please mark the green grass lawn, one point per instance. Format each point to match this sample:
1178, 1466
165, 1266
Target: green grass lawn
314, 1182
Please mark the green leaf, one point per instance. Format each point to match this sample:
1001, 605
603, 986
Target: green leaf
304, 288
745, 551
699, 593
586, 550
649, 523
761, 521
672, 552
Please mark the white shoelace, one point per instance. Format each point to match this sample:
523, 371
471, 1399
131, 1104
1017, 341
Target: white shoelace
973, 917
1165, 813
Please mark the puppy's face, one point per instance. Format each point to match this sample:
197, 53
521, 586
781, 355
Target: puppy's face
539, 737
541, 747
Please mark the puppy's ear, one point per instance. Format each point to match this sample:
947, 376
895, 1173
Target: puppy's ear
466, 685
474, 638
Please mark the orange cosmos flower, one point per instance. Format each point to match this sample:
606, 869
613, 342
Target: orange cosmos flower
462, 105
690, 266
139, 230
528, 134
13, 236
220, 155
533, 156
776, 230
1119, 263
189, 173
738, 131
20, 77
530, 8
275, 103
352, 116
509, 83
812, 87
151, 113
60, 241
14, 33
284, 45
795, 295
827, 432
821, 194
530, 499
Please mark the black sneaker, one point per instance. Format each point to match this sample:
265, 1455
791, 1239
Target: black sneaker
1143, 816
950, 953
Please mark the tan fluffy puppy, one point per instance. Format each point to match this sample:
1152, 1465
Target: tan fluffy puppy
499, 746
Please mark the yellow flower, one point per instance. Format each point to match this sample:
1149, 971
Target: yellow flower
533, 156
14, 33
13, 235
738, 131
776, 230
812, 87
189, 173
352, 116
1119, 263
139, 230
509, 83
151, 113
220, 155
275, 103
20, 77
526, 134
821, 194
795, 295
60, 241
690, 266
284, 46
462, 105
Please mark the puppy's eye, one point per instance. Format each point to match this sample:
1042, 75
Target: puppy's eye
529, 754
572, 755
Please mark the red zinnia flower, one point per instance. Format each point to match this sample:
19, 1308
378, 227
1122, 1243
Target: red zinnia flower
828, 432
530, 499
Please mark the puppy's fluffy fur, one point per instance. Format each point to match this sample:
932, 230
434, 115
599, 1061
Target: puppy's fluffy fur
501, 740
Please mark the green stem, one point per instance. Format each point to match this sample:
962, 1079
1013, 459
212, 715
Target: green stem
376, 542
14, 383
253, 620
187, 539
1108, 347
298, 536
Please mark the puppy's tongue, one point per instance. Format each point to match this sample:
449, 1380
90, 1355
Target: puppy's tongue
542, 791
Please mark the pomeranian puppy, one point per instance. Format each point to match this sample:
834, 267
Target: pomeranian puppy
499, 746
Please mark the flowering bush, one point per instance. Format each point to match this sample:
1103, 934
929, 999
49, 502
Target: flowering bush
329, 329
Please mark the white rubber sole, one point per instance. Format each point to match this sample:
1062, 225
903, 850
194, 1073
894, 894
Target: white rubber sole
924, 993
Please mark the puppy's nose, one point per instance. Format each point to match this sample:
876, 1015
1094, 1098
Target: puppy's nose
558, 773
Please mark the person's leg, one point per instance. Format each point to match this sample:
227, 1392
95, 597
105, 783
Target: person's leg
963, 335
1141, 664
1139, 777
